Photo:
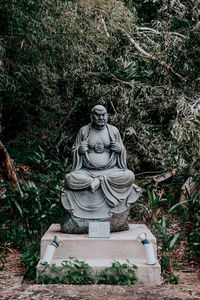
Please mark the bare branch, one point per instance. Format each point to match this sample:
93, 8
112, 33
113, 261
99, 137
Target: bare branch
150, 40
6, 166
112, 75
148, 55
150, 30
149, 173
105, 27
178, 34
177, 74
113, 107
136, 45
67, 116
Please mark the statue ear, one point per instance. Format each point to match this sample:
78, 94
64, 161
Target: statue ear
91, 118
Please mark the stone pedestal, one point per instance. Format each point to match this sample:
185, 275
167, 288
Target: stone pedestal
99, 253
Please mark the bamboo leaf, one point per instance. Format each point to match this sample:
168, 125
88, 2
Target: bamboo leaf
18, 206
173, 241
174, 207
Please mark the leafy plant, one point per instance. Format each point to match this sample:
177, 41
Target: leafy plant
73, 272
190, 218
167, 241
21, 204
121, 274
172, 278
189, 207
30, 258
194, 238
148, 207
78, 272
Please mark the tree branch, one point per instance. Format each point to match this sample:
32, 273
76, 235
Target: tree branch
150, 30
117, 79
136, 45
149, 173
105, 27
67, 116
7, 167
148, 55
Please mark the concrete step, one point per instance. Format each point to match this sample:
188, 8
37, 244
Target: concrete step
99, 253
120, 245
147, 274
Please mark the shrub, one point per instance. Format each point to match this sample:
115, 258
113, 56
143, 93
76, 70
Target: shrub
120, 274
78, 272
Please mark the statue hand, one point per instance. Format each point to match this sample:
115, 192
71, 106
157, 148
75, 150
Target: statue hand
83, 147
116, 147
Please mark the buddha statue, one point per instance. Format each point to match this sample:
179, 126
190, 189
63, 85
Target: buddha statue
99, 186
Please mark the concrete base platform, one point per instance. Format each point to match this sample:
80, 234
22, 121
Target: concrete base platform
99, 253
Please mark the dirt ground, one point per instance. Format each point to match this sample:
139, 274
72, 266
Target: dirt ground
12, 287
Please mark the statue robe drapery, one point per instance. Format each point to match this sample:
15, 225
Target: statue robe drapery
116, 190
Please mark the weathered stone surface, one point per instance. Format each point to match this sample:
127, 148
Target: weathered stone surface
99, 253
99, 186
72, 224
120, 245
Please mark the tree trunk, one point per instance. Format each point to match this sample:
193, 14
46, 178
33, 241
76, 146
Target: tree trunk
188, 188
6, 166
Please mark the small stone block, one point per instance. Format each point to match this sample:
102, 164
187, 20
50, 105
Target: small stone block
99, 230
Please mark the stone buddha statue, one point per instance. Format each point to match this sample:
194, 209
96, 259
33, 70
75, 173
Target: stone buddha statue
99, 186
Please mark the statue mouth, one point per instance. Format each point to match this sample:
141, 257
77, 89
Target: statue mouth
100, 122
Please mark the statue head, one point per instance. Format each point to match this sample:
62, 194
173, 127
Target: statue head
99, 116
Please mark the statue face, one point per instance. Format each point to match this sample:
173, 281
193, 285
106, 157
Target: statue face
99, 118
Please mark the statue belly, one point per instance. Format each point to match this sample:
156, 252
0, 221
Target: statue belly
99, 159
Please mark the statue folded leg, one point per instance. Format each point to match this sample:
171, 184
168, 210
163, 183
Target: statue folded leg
116, 184
121, 178
81, 179
78, 180
110, 201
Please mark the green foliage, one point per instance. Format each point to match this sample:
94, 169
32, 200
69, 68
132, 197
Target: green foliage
190, 207
168, 242
120, 274
167, 273
151, 207
92, 54
30, 258
39, 192
25, 224
172, 278
194, 239
79, 272
189, 212
29, 210
73, 272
